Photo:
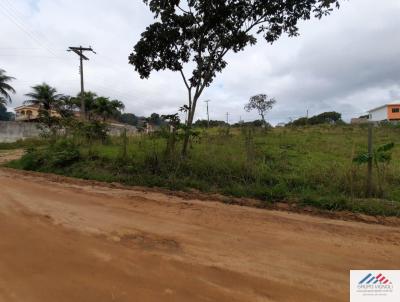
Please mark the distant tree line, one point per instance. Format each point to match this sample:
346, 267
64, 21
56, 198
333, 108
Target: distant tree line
48, 99
323, 118
213, 123
5, 115
140, 121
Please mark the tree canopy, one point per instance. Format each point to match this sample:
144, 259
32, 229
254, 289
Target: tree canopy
199, 33
261, 103
213, 123
4, 114
323, 118
44, 96
5, 87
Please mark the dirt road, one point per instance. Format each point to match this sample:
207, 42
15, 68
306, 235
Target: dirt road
75, 241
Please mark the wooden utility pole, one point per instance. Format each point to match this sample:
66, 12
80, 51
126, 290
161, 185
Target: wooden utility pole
370, 158
208, 114
79, 51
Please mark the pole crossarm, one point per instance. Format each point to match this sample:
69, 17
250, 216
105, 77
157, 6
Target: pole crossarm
79, 51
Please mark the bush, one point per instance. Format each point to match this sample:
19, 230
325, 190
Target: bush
59, 155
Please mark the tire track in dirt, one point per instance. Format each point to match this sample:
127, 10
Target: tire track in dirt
86, 242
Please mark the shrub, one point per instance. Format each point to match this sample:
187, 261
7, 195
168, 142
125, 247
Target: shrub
58, 155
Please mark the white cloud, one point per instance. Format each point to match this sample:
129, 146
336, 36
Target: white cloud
346, 62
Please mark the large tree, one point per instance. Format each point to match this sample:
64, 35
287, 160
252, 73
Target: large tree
199, 33
262, 104
5, 88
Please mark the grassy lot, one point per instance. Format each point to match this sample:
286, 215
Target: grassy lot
309, 166
22, 144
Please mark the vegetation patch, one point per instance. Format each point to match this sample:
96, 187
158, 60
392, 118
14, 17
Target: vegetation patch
296, 165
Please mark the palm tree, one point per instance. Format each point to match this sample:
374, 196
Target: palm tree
45, 97
5, 88
117, 106
106, 108
67, 106
89, 99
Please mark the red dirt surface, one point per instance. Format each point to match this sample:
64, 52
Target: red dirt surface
81, 241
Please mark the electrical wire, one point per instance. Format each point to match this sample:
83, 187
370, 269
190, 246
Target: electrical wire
13, 17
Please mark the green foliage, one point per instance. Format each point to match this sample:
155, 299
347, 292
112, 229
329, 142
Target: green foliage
255, 123
23, 144
4, 114
155, 119
51, 158
128, 118
44, 96
5, 88
381, 155
323, 118
91, 131
310, 166
262, 104
213, 123
200, 33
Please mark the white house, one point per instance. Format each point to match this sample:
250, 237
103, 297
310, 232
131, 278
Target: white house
388, 112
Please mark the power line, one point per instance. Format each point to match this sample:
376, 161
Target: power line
11, 13
21, 17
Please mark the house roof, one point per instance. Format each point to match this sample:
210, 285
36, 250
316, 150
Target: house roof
389, 104
26, 107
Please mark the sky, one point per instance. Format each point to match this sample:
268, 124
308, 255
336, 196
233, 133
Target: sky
347, 62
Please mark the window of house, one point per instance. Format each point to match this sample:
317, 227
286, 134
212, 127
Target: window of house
395, 110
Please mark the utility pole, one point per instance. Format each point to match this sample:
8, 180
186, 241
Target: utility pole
208, 114
370, 157
227, 118
79, 51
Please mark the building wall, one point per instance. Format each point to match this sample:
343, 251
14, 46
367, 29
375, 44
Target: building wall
118, 130
13, 131
356, 121
22, 114
380, 114
393, 115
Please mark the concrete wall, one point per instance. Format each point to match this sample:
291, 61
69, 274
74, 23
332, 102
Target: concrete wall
13, 131
118, 129
379, 114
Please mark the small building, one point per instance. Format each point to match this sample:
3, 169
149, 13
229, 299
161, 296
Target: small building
359, 120
388, 112
27, 113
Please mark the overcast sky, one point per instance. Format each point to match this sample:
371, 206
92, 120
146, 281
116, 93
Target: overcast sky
348, 62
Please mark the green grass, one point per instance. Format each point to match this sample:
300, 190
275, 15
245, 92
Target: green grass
22, 144
309, 166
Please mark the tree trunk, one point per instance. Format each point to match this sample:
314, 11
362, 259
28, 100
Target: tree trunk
187, 134
189, 127
264, 121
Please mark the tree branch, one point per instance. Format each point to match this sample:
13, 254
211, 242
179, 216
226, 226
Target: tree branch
184, 79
